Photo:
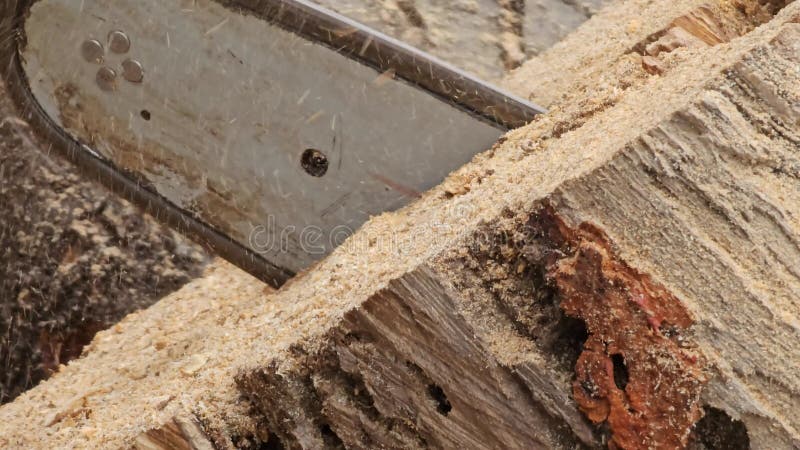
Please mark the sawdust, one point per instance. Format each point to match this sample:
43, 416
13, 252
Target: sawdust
74, 259
579, 69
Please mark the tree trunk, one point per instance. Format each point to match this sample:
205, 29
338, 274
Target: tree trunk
620, 272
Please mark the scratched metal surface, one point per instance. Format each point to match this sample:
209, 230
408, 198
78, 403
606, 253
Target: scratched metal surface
228, 105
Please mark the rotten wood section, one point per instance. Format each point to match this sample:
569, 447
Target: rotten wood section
467, 317
635, 329
403, 371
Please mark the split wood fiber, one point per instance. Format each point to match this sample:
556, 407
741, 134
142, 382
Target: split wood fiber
631, 252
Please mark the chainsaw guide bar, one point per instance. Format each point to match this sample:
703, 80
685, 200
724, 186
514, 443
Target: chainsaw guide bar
266, 130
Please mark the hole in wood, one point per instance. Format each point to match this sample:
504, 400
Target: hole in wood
566, 340
59, 348
273, 443
330, 437
442, 404
314, 162
620, 371
145, 114
717, 430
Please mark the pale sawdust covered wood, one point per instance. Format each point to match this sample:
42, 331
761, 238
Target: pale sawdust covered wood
597, 59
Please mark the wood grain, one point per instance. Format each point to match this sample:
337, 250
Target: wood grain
467, 318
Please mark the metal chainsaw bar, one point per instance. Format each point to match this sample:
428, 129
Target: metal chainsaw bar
267, 130
356, 41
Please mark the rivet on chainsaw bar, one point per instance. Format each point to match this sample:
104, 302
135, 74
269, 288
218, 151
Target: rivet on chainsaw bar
132, 71
106, 78
92, 51
119, 42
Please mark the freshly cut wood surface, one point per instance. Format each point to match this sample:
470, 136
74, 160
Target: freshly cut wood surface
614, 271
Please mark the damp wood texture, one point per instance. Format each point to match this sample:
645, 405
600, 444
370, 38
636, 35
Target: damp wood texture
620, 273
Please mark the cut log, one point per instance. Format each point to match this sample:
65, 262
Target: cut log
54, 298
620, 271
